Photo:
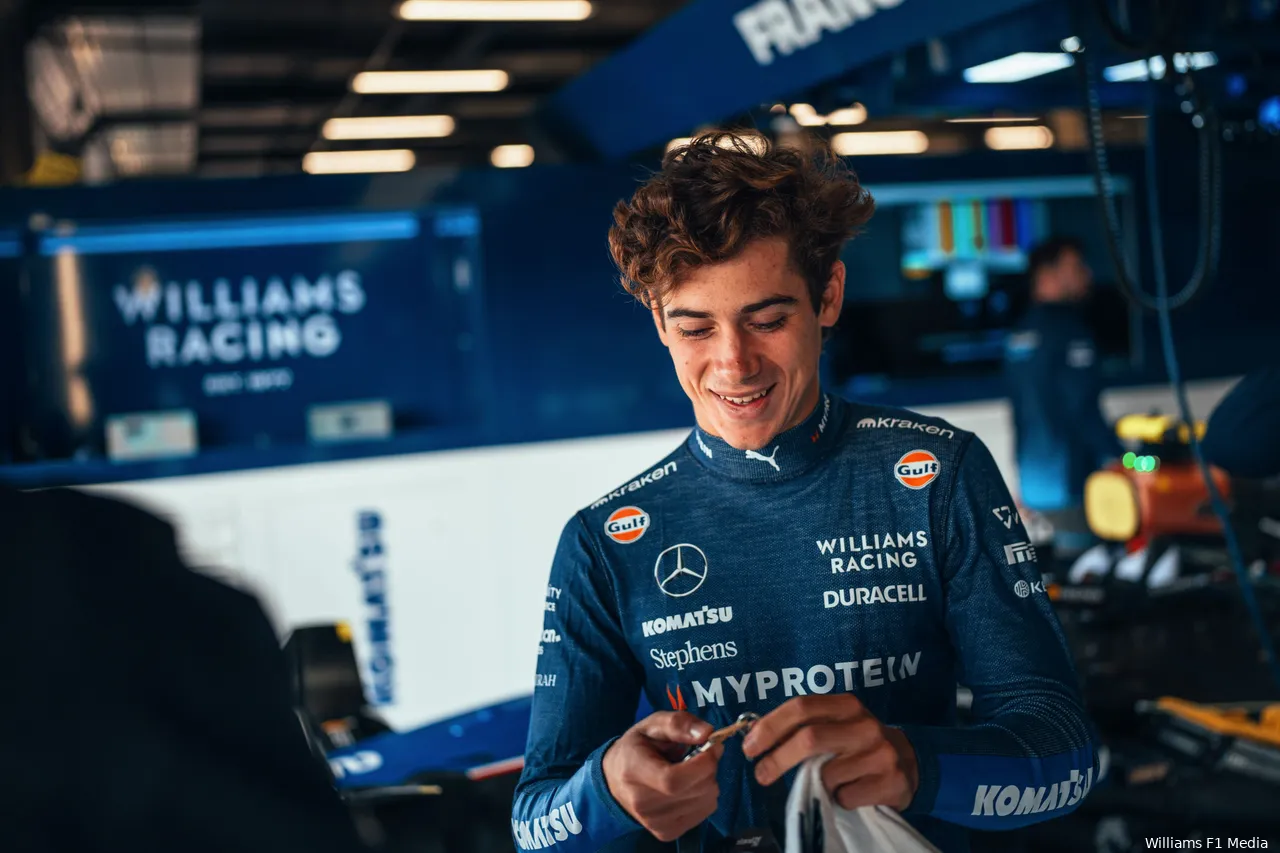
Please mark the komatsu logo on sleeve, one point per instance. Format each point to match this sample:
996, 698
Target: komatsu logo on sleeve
790, 25
548, 830
902, 423
1005, 800
655, 474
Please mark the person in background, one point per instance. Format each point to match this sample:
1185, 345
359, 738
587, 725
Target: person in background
146, 707
1053, 378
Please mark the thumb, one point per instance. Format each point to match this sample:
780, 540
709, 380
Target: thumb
674, 727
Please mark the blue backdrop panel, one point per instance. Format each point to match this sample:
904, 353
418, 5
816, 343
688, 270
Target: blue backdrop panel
717, 58
250, 321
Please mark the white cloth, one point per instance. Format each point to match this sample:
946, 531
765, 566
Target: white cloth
869, 829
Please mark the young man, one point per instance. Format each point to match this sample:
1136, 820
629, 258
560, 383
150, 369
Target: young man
835, 568
1054, 382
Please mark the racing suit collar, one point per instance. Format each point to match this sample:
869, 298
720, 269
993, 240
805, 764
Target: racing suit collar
788, 455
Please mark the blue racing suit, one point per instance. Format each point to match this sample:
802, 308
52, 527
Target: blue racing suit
868, 550
1054, 381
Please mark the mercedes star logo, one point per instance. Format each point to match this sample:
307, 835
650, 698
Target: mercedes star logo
680, 570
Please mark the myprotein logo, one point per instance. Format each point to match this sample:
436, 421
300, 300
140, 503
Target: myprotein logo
1020, 552
901, 423
226, 323
798, 681
626, 524
786, 26
654, 475
916, 469
691, 654
547, 831
680, 570
1004, 800
692, 619
860, 595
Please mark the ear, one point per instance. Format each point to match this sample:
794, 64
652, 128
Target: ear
660, 325
832, 297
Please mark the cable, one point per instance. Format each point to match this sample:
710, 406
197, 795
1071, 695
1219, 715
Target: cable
1205, 270
1210, 180
1164, 312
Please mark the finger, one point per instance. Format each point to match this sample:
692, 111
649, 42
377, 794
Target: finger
674, 727
880, 790
776, 726
681, 778
876, 757
850, 736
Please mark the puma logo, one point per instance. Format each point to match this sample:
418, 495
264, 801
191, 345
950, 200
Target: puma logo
752, 454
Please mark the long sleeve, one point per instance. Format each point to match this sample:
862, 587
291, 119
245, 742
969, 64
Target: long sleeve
586, 691
1029, 756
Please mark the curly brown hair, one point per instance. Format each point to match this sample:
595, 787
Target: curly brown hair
721, 191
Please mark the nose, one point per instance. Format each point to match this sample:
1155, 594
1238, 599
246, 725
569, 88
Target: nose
735, 358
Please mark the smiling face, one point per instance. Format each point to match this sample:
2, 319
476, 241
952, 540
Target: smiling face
746, 342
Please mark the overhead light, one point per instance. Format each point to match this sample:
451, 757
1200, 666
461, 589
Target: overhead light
511, 156
1071, 44
335, 162
806, 116
388, 127
1019, 138
1017, 67
495, 10
990, 120
410, 82
860, 143
855, 114
1154, 67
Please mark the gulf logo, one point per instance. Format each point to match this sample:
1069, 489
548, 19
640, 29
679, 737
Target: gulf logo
626, 524
916, 469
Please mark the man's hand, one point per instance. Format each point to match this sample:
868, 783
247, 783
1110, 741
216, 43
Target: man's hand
872, 765
645, 774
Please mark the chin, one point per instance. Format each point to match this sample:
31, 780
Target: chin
751, 438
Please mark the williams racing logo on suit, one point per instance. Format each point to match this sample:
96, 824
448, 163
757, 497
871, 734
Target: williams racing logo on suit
1005, 800
548, 830
916, 469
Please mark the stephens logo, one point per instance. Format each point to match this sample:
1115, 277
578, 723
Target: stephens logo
916, 469
626, 524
